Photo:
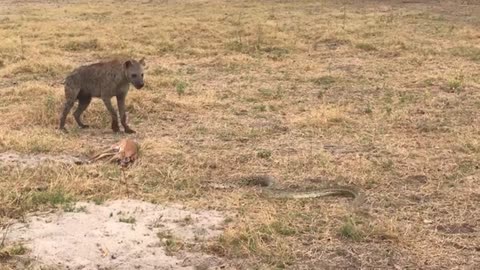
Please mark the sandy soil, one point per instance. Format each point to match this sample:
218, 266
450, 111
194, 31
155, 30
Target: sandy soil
122, 234
32, 160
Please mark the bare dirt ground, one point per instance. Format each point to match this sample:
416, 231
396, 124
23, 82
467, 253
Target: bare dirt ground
122, 234
34, 160
383, 95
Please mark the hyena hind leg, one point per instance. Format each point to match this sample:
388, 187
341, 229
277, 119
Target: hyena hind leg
66, 109
83, 102
70, 97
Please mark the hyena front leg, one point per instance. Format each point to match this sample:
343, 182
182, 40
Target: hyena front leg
123, 114
113, 113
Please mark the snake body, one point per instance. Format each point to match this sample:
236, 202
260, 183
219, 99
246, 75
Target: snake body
270, 191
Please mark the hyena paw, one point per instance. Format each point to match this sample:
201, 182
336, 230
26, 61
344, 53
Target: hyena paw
129, 130
115, 127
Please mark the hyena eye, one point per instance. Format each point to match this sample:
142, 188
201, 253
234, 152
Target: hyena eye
142, 75
134, 75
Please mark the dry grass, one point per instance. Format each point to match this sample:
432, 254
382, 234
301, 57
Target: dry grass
381, 95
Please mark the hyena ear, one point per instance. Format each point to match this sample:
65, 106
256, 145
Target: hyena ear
127, 64
142, 61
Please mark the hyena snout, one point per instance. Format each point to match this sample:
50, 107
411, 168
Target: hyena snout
138, 84
134, 72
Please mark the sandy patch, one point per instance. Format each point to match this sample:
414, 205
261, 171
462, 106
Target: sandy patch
122, 234
33, 160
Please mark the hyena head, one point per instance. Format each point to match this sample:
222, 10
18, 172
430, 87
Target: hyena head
134, 72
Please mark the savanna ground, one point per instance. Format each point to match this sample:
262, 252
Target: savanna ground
383, 95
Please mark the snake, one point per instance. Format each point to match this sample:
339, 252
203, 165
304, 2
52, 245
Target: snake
270, 190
